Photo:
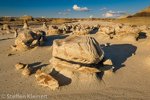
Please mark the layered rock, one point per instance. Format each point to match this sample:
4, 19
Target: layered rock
77, 60
78, 49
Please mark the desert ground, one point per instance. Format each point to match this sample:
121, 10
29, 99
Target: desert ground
129, 80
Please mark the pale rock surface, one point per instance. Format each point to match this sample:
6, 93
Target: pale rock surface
6, 27
27, 70
53, 30
108, 62
46, 80
81, 49
19, 65
25, 25
59, 65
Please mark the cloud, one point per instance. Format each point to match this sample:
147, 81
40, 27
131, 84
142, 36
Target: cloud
103, 8
67, 10
91, 16
108, 15
75, 7
63, 13
118, 12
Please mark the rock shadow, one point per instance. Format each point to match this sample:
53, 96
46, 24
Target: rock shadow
38, 67
6, 39
49, 39
119, 53
62, 80
142, 35
94, 31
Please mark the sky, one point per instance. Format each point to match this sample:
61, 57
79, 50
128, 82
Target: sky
71, 8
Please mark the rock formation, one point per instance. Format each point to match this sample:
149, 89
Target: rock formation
78, 49
26, 17
27, 70
19, 65
25, 25
6, 27
77, 59
44, 25
143, 13
46, 80
53, 30
28, 39
16, 33
125, 16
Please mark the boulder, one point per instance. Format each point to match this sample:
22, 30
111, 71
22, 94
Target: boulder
53, 30
108, 29
6, 27
46, 80
78, 49
26, 37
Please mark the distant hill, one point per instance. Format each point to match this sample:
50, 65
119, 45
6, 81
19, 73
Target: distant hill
26, 17
124, 16
143, 13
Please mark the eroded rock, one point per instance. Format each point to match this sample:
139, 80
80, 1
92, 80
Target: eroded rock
46, 80
84, 50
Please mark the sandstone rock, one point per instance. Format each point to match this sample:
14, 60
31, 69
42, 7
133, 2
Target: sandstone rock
6, 27
26, 37
81, 49
27, 70
59, 65
34, 43
103, 36
143, 28
26, 17
44, 25
53, 30
8, 32
16, 33
108, 29
46, 80
19, 65
21, 46
82, 32
1, 29
25, 25
108, 62
124, 16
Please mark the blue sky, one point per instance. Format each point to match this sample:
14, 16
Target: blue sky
71, 8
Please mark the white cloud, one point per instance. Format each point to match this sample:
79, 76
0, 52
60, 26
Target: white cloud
91, 16
113, 14
108, 15
67, 10
118, 12
75, 7
63, 13
103, 8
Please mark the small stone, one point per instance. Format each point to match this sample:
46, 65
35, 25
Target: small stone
19, 65
27, 70
108, 62
46, 80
